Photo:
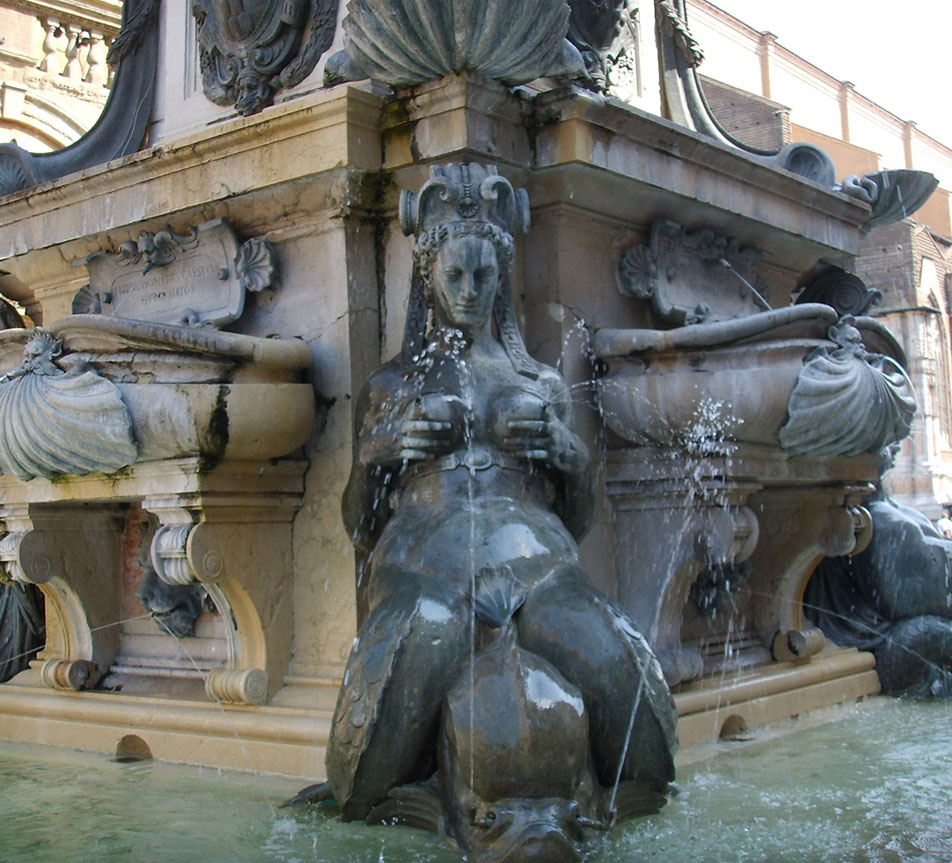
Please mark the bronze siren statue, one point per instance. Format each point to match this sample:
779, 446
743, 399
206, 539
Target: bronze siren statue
493, 693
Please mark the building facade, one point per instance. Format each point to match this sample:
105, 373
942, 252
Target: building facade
768, 96
54, 79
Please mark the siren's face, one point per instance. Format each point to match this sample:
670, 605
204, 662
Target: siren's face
464, 282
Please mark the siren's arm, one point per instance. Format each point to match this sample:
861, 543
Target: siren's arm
377, 445
569, 458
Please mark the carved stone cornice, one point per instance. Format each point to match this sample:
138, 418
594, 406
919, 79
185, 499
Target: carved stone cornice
102, 15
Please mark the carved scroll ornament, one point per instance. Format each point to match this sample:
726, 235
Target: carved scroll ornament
847, 401
250, 49
55, 423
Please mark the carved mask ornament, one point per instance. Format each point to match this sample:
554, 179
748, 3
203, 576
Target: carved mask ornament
250, 49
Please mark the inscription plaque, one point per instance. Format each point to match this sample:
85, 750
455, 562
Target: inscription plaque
198, 278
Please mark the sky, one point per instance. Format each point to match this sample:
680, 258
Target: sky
897, 54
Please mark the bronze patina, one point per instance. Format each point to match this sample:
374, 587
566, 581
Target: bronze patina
493, 694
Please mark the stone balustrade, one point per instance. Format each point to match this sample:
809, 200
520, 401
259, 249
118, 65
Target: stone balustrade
76, 52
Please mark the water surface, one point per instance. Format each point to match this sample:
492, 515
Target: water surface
873, 785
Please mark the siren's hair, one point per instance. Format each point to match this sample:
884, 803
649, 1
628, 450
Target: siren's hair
418, 308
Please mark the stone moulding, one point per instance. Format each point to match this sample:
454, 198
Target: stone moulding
55, 422
847, 401
406, 42
250, 50
196, 278
691, 277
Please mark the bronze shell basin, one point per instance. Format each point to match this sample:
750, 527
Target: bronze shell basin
729, 380
191, 392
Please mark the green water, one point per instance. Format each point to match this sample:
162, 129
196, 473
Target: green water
874, 785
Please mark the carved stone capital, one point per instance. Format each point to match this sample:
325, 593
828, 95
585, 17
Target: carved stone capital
169, 558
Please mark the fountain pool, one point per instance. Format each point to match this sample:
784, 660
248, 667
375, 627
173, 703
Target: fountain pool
870, 782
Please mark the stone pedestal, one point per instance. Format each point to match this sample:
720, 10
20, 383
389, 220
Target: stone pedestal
318, 177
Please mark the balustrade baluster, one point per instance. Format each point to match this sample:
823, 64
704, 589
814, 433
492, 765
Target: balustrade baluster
53, 43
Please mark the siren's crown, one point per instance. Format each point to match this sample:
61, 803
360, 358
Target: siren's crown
464, 192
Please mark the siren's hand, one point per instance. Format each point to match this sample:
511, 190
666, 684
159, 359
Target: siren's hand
547, 440
429, 427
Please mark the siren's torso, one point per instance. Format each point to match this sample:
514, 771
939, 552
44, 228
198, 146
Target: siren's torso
476, 505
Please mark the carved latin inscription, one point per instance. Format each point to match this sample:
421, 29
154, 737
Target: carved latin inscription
198, 278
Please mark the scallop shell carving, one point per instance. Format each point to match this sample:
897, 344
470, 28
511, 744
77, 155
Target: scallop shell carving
402, 42
499, 594
54, 423
847, 405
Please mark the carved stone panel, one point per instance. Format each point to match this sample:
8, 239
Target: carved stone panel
252, 48
692, 277
198, 278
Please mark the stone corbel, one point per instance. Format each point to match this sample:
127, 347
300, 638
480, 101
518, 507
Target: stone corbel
239, 550
668, 531
72, 554
799, 527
